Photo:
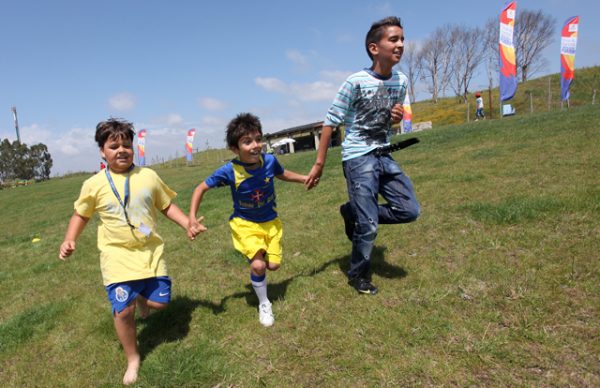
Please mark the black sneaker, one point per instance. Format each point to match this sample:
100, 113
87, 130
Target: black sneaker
348, 220
363, 286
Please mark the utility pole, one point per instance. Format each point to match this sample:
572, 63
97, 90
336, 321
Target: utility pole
14, 110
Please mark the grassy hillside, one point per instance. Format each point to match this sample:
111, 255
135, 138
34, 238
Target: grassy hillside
543, 99
495, 284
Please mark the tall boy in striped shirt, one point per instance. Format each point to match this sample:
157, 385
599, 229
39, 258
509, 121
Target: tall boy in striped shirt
367, 104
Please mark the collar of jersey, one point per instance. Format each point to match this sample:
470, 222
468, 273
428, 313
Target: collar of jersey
377, 75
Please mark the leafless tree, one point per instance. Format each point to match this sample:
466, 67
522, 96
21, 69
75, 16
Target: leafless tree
435, 56
411, 66
467, 55
534, 31
491, 32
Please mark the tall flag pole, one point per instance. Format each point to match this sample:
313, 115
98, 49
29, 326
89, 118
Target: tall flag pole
189, 144
14, 110
568, 45
407, 115
508, 66
142, 147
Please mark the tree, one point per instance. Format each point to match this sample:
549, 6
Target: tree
42, 161
411, 66
18, 161
6, 160
466, 57
435, 57
534, 31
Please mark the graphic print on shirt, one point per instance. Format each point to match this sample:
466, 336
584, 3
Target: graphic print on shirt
253, 190
374, 115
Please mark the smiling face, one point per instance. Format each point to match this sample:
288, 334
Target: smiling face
389, 49
118, 153
249, 148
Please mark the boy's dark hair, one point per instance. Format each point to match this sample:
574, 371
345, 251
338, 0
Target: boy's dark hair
113, 128
242, 124
377, 29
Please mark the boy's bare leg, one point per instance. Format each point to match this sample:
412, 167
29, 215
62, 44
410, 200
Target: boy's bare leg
125, 327
142, 305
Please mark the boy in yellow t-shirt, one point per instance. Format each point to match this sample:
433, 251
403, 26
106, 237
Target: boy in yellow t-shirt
126, 198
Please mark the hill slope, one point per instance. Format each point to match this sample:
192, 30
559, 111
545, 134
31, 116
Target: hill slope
544, 91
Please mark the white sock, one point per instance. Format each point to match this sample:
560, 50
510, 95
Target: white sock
259, 283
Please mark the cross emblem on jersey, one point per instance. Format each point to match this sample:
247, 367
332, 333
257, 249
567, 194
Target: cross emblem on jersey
257, 196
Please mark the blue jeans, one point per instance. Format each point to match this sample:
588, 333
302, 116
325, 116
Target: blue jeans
368, 176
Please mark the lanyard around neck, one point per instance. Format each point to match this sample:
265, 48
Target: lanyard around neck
125, 201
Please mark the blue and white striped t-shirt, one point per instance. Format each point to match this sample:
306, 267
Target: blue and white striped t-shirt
363, 105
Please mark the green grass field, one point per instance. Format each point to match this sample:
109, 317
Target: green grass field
497, 283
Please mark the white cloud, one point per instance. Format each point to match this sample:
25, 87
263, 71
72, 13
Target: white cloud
213, 121
296, 57
174, 119
313, 91
211, 104
271, 84
122, 102
335, 76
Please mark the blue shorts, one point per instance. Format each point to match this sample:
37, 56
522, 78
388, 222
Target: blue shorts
120, 295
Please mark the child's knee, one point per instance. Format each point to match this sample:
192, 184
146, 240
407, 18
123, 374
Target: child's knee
258, 266
273, 266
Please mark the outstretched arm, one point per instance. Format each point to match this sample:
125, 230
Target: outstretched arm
76, 226
194, 224
317, 170
290, 176
174, 213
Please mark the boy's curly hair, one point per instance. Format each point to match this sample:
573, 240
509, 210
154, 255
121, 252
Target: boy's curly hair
376, 32
113, 128
242, 124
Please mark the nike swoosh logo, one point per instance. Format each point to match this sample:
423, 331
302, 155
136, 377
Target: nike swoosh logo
161, 294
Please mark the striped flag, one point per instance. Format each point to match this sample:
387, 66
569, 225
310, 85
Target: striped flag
568, 45
407, 116
189, 144
142, 147
508, 66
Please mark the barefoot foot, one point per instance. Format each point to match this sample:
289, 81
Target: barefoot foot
131, 374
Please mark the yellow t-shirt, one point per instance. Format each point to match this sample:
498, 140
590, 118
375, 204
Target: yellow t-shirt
127, 254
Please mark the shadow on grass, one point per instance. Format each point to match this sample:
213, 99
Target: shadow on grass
173, 323
278, 290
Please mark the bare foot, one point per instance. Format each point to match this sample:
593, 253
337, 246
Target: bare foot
131, 374
142, 305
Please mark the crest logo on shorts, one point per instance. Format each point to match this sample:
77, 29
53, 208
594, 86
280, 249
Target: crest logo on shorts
121, 294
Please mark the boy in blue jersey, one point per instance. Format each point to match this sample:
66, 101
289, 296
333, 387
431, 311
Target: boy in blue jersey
367, 104
255, 228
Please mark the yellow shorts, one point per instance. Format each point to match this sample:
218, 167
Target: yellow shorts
251, 237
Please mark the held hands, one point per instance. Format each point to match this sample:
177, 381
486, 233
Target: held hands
397, 113
66, 249
314, 176
195, 227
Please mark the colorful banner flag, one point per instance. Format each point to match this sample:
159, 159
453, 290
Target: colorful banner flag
568, 45
189, 143
407, 116
142, 147
508, 64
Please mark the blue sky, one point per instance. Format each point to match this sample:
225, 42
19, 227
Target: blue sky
169, 66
